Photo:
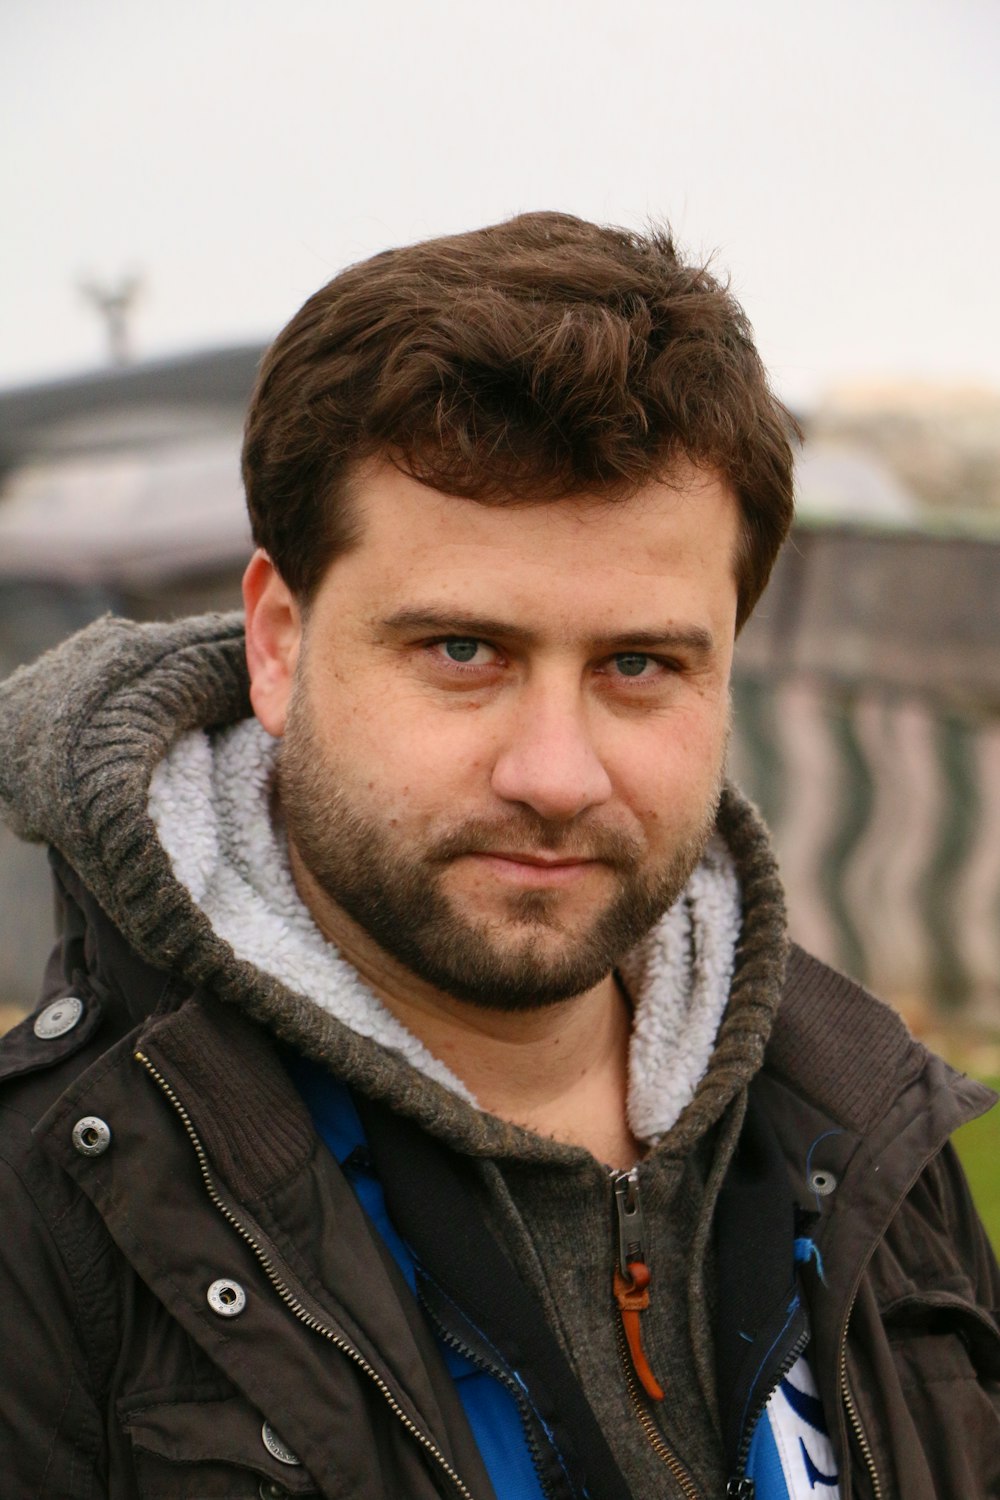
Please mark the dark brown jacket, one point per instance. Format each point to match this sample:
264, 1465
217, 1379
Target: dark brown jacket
120, 1379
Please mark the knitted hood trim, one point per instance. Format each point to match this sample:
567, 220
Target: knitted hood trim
81, 732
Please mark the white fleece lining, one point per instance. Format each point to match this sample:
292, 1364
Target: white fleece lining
210, 801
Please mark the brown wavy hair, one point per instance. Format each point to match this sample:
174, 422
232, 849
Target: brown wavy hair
536, 359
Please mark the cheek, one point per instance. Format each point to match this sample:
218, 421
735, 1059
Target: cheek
670, 772
406, 766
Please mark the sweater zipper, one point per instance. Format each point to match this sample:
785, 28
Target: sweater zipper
287, 1295
852, 1410
631, 1292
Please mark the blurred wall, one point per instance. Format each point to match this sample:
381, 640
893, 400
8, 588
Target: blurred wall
867, 699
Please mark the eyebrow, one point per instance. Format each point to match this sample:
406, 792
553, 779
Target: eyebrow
693, 638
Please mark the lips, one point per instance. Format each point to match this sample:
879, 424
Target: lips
532, 869
544, 848
544, 861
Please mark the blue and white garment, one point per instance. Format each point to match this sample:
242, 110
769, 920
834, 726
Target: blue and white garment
791, 1455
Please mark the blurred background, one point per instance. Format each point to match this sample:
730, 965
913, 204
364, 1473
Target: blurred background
175, 181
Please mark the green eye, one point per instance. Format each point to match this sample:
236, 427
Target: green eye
631, 664
461, 650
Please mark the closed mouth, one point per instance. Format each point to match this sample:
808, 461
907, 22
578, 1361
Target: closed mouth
543, 861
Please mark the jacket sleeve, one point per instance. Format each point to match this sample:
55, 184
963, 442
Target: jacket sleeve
57, 1333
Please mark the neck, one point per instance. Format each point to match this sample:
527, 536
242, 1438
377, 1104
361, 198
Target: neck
560, 1071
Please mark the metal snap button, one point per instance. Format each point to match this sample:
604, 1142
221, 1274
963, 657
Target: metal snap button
91, 1136
58, 1017
276, 1448
227, 1298
270, 1489
822, 1182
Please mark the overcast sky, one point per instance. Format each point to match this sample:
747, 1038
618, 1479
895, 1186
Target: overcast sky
840, 159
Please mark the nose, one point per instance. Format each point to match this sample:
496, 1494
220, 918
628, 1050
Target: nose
548, 760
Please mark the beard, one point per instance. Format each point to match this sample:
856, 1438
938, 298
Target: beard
395, 889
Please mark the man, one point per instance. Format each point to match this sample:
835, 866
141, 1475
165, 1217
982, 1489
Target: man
423, 1100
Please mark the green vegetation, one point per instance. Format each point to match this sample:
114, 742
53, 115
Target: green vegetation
978, 1144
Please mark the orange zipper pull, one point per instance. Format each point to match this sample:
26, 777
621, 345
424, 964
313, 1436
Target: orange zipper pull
631, 1282
633, 1298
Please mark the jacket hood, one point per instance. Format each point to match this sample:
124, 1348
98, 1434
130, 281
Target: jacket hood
81, 732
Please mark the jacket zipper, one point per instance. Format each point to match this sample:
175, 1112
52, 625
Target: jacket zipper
287, 1295
852, 1411
507, 1381
632, 1252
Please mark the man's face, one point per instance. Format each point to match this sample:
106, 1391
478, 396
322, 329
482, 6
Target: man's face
505, 736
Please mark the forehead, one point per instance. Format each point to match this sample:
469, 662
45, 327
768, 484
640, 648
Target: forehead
671, 544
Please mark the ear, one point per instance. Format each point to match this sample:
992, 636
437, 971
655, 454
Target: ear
274, 636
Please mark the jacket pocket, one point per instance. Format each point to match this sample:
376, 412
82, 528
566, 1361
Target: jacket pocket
946, 1352
960, 1338
210, 1450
